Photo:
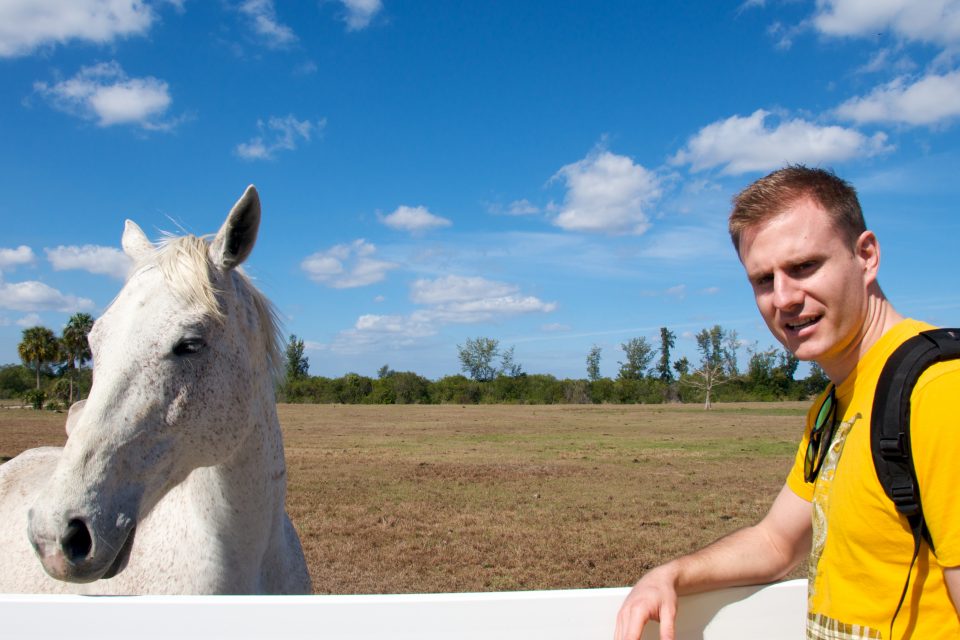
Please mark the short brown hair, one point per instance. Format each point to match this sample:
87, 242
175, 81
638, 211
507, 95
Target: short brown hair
771, 195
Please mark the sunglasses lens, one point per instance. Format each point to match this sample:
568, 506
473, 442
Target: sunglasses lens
819, 442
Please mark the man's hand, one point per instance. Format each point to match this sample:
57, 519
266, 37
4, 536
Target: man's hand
755, 555
654, 597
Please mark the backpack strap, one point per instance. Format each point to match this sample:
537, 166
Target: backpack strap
890, 421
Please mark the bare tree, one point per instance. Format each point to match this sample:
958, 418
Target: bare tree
717, 362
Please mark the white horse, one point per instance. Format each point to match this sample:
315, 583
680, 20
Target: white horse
173, 477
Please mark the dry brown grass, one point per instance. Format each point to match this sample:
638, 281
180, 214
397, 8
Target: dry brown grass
391, 499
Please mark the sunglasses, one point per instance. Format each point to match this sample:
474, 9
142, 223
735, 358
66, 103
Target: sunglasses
820, 436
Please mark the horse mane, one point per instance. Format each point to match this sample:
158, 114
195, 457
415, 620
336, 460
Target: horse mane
184, 262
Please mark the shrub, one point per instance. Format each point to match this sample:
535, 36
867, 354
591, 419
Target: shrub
455, 389
35, 398
15, 380
576, 391
409, 388
352, 388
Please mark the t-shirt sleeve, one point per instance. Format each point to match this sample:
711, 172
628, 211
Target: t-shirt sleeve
935, 444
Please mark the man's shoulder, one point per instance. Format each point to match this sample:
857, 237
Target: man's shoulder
937, 387
944, 366
941, 376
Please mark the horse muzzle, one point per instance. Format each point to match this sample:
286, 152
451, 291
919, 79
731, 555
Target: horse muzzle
74, 553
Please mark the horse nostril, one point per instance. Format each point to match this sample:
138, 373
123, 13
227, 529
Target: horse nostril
76, 542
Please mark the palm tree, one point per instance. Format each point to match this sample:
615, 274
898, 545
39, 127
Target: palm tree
38, 347
76, 349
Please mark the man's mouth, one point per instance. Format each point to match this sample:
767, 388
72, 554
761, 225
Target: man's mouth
802, 324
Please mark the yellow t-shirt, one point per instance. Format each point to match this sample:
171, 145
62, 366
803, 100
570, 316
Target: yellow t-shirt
862, 547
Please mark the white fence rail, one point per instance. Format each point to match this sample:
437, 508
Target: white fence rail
773, 612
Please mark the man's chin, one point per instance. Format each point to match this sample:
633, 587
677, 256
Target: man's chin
802, 349
806, 353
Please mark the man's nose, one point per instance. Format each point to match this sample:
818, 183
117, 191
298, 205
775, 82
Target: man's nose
786, 293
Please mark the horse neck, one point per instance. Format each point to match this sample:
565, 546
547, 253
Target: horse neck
253, 478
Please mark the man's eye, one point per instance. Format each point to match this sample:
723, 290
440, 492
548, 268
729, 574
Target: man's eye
189, 346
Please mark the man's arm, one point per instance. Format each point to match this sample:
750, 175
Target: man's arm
762, 553
952, 577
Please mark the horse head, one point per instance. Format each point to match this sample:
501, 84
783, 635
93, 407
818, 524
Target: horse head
179, 357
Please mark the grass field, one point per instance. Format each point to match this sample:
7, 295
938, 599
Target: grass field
395, 499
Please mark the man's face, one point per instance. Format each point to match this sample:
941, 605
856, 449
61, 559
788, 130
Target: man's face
809, 284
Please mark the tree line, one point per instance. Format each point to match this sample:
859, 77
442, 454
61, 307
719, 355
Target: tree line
55, 373
647, 374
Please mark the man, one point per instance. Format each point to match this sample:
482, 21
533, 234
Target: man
813, 265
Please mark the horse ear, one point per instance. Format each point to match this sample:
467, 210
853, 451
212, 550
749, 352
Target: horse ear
134, 241
73, 416
236, 237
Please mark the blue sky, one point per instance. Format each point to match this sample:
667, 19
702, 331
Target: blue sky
554, 175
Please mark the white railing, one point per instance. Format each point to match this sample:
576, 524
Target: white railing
772, 612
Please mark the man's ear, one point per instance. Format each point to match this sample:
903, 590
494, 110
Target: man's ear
236, 237
867, 251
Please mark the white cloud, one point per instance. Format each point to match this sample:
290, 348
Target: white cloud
487, 309
30, 320
16, 257
346, 266
743, 144
37, 296
784, 35
104, 93
359, 13
888, 60
522, 208
26, 25
458, 299
928, 101
935, 21
414, 220
278, 134
416, 325
679, 291
448, 300
458, 289
263, 16
606, 193
107, 261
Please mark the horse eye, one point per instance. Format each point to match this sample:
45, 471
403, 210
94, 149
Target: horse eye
189, 346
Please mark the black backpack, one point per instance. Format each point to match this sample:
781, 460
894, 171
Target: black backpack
890, 422
890, 429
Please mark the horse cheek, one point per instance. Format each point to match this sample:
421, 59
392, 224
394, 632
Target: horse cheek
216, 416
